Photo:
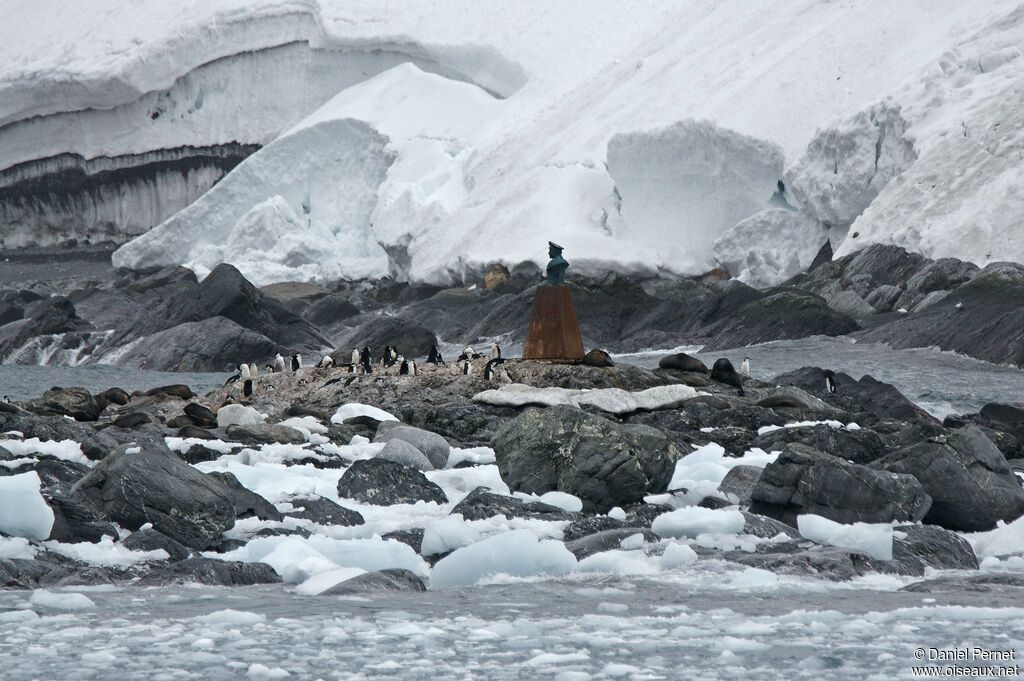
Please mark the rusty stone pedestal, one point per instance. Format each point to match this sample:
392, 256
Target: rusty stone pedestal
554, 332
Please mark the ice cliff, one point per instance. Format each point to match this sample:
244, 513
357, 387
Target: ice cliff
301, 140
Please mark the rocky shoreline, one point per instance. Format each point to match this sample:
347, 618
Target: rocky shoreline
423, 469
168, 320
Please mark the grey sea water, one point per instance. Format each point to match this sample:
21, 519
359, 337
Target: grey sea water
21, 382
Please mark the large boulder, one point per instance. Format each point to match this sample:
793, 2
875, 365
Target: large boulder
431, 445
246, 502
404, 453
971, 485
803, 480
135, 485
481, 504
324, 512
77, 403
384, 483
211, 571
602, 462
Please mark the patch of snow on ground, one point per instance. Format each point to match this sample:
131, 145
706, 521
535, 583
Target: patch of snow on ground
23, 511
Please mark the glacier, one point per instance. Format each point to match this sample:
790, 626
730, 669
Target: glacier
646, 140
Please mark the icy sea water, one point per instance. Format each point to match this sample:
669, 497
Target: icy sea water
940, 382
711, 621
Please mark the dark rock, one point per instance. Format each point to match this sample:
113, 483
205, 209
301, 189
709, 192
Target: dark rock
246, 502
329, 311
606, 540
982, 318
765, 527
598, 358
264, 434
782, 314
214, 344
75, 520
971, 484
714, 502
324, 512
859, 446
592, 524
52, 316
431, 445
804, 480
823, 256
151, 540
155, 486
404, 453
683, 362
406, 336
988, 582
10, 313
481, 504
413, 537
602, 462
740, 481
828, 562
935, 547
210, 571
384, 483
77, 403
643, 515
1008, 418
95, 444
283, 532
394, 579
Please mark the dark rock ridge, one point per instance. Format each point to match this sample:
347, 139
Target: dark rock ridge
384, 483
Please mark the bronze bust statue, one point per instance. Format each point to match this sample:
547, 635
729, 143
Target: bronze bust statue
557, 266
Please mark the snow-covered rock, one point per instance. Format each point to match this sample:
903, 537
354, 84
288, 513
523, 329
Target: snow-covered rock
875, 539
611, 400
517, 553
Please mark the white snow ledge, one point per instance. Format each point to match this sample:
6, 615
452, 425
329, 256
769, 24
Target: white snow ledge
611, 400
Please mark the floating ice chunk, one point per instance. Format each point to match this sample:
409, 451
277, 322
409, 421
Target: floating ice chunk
105, 553
678, 555
16, 547
619, 563
68, 450
302, 557
238, 415
447, 534
23, 511
464, 480
347, 411
232, 618
517, 553
548, 659
296, 561
60, 601
1006, 540
694, 520
873, 539
702, 471
476, 455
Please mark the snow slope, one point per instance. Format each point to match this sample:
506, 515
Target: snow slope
634, 134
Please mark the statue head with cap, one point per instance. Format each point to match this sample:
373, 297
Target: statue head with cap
557, 266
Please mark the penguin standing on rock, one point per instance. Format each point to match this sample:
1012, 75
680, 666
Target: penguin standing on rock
279, 367
467, 368
364, 358
403, 368
495, 351
296, 362
830, 382
327, 362
247, 388
434, 357
723, 372
355, 356
244, 371
745, 367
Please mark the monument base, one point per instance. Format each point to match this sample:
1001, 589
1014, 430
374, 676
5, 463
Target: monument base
554, 332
